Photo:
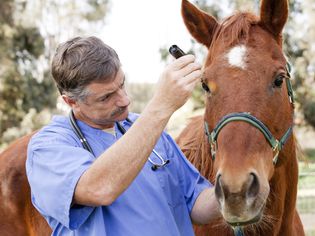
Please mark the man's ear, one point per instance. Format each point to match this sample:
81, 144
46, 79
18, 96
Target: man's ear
71, 102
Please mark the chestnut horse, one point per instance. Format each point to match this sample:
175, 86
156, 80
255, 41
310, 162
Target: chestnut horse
18, 217
247, 107
244, 144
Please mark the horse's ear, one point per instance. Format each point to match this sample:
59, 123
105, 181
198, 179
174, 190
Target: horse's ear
200, 25
273, 15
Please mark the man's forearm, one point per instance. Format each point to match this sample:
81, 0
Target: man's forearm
116, 168
206, 207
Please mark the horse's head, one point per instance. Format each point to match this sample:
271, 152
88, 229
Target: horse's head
247, 106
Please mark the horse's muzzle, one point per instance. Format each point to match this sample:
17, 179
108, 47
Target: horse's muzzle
242, 202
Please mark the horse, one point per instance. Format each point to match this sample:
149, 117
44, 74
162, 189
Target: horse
233, 144
18, 216
243, 144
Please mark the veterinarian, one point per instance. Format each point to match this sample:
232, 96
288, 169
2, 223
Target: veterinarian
106, 171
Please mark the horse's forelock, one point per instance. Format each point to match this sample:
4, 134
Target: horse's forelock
232, 31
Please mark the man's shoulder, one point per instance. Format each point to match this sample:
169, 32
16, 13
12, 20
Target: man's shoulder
58, 130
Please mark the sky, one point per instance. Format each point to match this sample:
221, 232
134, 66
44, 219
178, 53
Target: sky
138, 29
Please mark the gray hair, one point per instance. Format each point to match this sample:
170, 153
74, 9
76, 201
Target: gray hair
81, 61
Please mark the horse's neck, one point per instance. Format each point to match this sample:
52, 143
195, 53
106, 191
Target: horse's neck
283, 190
194, 144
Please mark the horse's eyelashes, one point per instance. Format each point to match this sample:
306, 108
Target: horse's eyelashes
205, 87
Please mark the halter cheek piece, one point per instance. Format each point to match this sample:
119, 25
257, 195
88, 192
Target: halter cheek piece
275, 144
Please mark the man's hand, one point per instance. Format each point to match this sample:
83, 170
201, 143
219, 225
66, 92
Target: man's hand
176, 83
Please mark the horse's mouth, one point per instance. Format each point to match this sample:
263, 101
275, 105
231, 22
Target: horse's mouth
244, 223
248, 222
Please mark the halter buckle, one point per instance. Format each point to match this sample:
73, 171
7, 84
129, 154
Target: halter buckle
213, 149
276, 150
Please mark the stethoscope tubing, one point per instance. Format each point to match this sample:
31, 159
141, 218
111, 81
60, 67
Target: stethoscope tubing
79, 134
87, 146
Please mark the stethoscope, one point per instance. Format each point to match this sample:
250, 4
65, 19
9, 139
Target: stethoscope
87, 146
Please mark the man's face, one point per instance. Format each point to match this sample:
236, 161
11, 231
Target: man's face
106, 103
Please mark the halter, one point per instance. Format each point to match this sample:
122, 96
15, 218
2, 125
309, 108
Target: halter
275, 144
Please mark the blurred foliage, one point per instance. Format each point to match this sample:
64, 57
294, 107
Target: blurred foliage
309, 110
29, 33
140, 94
310, 154
306, 176
99, 9
20, 89
299, 46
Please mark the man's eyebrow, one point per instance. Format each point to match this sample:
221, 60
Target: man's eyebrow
111, 92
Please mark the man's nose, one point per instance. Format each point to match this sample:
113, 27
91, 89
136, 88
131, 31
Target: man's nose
123, 99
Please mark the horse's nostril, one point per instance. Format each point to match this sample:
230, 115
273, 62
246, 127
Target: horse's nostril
218, 188
253, 185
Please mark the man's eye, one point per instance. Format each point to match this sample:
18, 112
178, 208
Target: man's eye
104, 98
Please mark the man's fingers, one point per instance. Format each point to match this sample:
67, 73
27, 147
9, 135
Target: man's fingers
189, 82
183, 61
192, 77
190, 87
190, 68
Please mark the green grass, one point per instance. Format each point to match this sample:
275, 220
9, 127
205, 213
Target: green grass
310, 233
306, 175
307, 170
306, 205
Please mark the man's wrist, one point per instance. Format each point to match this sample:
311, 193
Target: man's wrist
158, 110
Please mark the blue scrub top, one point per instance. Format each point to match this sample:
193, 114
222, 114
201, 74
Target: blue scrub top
156, 203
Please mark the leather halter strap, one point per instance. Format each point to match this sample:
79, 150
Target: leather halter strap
289, 84
275, 144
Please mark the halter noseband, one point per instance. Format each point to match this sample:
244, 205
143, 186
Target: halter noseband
275, 144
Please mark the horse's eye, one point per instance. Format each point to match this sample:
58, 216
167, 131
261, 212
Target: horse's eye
278, 81
205, 87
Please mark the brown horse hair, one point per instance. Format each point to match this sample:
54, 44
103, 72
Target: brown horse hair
198, 148
232, 31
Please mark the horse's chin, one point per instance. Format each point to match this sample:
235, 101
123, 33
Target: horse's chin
254, 220
246, 223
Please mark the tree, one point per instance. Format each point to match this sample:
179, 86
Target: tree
300, 45
29, 33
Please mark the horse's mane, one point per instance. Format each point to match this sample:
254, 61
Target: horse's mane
195, 146
233, 30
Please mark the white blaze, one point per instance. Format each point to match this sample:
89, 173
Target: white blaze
236, 56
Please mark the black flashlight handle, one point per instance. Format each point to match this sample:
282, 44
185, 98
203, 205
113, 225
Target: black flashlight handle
176, 52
